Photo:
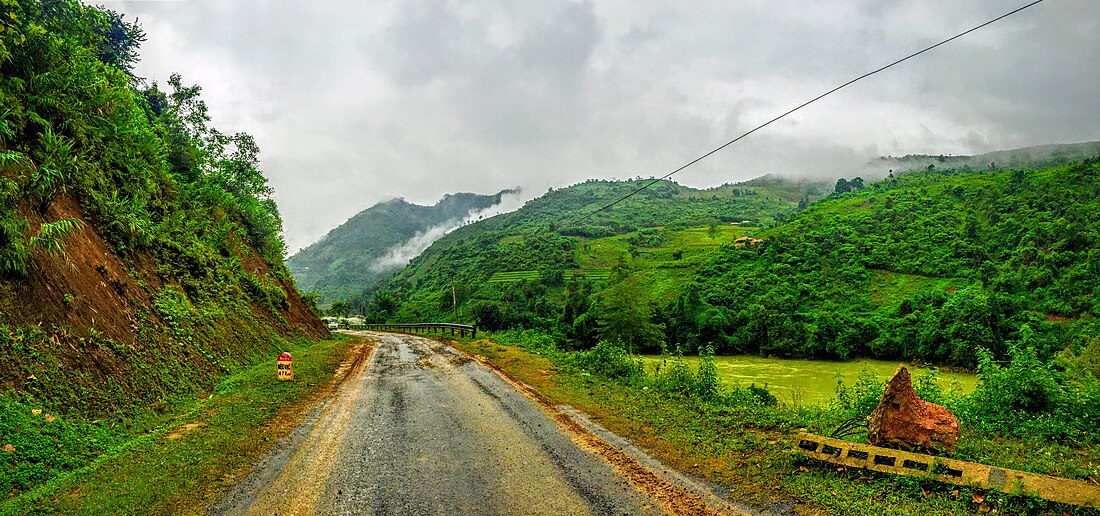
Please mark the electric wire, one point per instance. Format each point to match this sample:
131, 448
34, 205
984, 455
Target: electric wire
800, 106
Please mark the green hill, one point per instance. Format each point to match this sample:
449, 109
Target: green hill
520, 263
140, 256
367, 249
933, 265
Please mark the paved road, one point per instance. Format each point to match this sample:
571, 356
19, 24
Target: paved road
419, 428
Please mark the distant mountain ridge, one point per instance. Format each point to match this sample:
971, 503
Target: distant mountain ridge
1047, 155
367, 249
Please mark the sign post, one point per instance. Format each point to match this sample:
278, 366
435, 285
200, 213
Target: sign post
284, 367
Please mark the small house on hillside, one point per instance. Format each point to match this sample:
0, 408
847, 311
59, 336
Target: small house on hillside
749, 241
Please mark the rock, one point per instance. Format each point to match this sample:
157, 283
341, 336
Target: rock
903, 420
9, 448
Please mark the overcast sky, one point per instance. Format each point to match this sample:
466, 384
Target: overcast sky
353, 102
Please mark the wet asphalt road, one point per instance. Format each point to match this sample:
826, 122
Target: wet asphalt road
421, 429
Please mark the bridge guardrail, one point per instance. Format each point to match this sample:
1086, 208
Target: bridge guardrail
425, 328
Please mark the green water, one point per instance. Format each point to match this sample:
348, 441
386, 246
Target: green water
808, 382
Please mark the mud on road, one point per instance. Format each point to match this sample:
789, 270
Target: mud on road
421, 428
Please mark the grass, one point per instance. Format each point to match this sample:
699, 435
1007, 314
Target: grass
888, 288
663, 270
748, 449
658, 274
182, 465
694, 244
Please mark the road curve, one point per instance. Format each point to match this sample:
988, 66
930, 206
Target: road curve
420, 428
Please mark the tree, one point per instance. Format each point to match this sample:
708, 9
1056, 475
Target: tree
120, 41
339, 308
622, 268
966, 325
621, 319
843, 185
487, 315
382, 306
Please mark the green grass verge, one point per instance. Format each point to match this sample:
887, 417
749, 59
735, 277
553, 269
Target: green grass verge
184, 463
748, 448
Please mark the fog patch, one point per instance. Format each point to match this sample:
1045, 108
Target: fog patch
399, 255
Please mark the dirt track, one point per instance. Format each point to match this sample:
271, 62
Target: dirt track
420, 428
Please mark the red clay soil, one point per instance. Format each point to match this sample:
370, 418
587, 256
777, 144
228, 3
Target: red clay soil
90, 291
95, 279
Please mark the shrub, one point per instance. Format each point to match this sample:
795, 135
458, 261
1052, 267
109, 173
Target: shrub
1027, 385
707, 385
1031, 399
13, 249
861, 398
610, 359
676, 377
762, 395
535, 341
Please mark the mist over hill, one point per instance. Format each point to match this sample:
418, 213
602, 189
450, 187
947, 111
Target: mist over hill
1051, 154
378, 241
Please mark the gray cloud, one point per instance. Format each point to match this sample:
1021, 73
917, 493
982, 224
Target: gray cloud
355, 102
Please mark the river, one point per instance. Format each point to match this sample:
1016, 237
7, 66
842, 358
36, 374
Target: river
808, 382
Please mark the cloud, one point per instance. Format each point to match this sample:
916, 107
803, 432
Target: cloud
354, 102
399, 255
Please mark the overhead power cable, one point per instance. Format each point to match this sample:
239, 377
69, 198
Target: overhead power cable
800, 106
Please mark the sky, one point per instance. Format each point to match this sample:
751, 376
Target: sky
354, 102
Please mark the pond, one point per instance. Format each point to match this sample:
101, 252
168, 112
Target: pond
808, 382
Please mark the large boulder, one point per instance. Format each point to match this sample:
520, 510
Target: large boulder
903, 420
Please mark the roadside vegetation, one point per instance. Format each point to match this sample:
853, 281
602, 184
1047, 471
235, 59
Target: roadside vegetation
160, 462
141, 256
742, 436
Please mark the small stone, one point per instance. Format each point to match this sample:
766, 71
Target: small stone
903, 420
9, 448
50, 419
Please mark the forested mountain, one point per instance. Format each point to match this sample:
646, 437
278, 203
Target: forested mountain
140, 249
378, 241
552, 238
934, 265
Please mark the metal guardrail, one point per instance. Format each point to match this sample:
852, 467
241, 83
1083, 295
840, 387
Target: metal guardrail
425, 328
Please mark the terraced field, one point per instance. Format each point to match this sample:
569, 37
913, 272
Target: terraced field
594, 274
514, 276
